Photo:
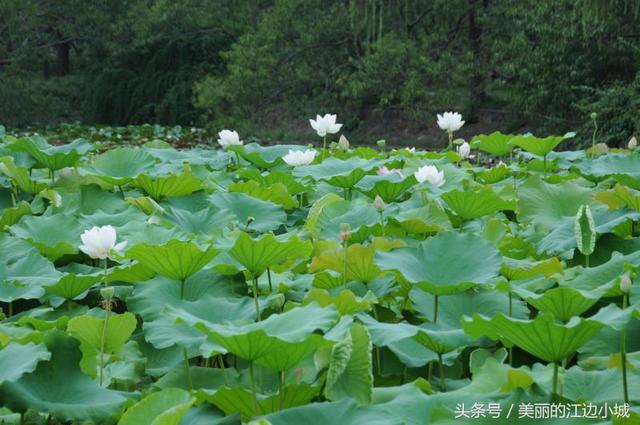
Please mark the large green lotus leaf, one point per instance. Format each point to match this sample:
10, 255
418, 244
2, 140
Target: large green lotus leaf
337, 172
206, 220
250, 213
233, 400
493, 174
256, 255
542, 337
389, 187
561, 240
537, 146
72, 285
358, 214
431, 218
276, 193
470, 204
204, 380
451, 308
53, 235
13, 215
92, 199
20, 176
91, 330
437, 338
263, 156
121, 165
563, 301
172, 184
51, 157
360, 265
269, 179
603, 275
622, 167
166, 407
343, 412
346, 302
601, 386
176, 259
311, 223
23, 271
350, 372
514, 269
255, 340
436, 263
495, 143
59, 388
544, 204
18, 359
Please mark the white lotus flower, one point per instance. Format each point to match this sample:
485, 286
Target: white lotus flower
411, 149
450, 121
325, 125
464, 150
625, 283
431, 174
99, 242
296, 158
633, 143
228, 138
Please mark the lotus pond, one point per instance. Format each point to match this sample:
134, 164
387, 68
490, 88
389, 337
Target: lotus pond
492, 284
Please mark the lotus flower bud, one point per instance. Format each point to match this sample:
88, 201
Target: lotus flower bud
381, 143
625, 283
594, 115
345, 232
379, 203
343, 143
633, 143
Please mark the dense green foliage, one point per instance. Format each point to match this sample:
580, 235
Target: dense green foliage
388, 65
149, 285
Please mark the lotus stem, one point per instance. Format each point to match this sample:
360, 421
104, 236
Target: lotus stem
224, 369
544, 163
435, 309
253, 388
450, 140
623, 352
255, 298
441, 372
182, 289
281, 390
554, 388
269, 278
324, 146
382, 222
595, 131
510, 315
586, 261
187, 368
344, 270
103, 341
10, 308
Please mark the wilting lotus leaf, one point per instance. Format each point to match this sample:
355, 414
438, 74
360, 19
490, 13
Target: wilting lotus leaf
121, 165
336, 172
263, 156
276, 193
360, 265
59, 388
388, 187
350, 373
536, 145
254, 341
12, 215
166, 407
163, 186
250, 213
585, 230
232, 400
20, 176
258, 254
51, 157
435, 265
176, 259
345, 302
542, 337
72, 285
470, 204
18, 359
495, 143
53, 235
91, 330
